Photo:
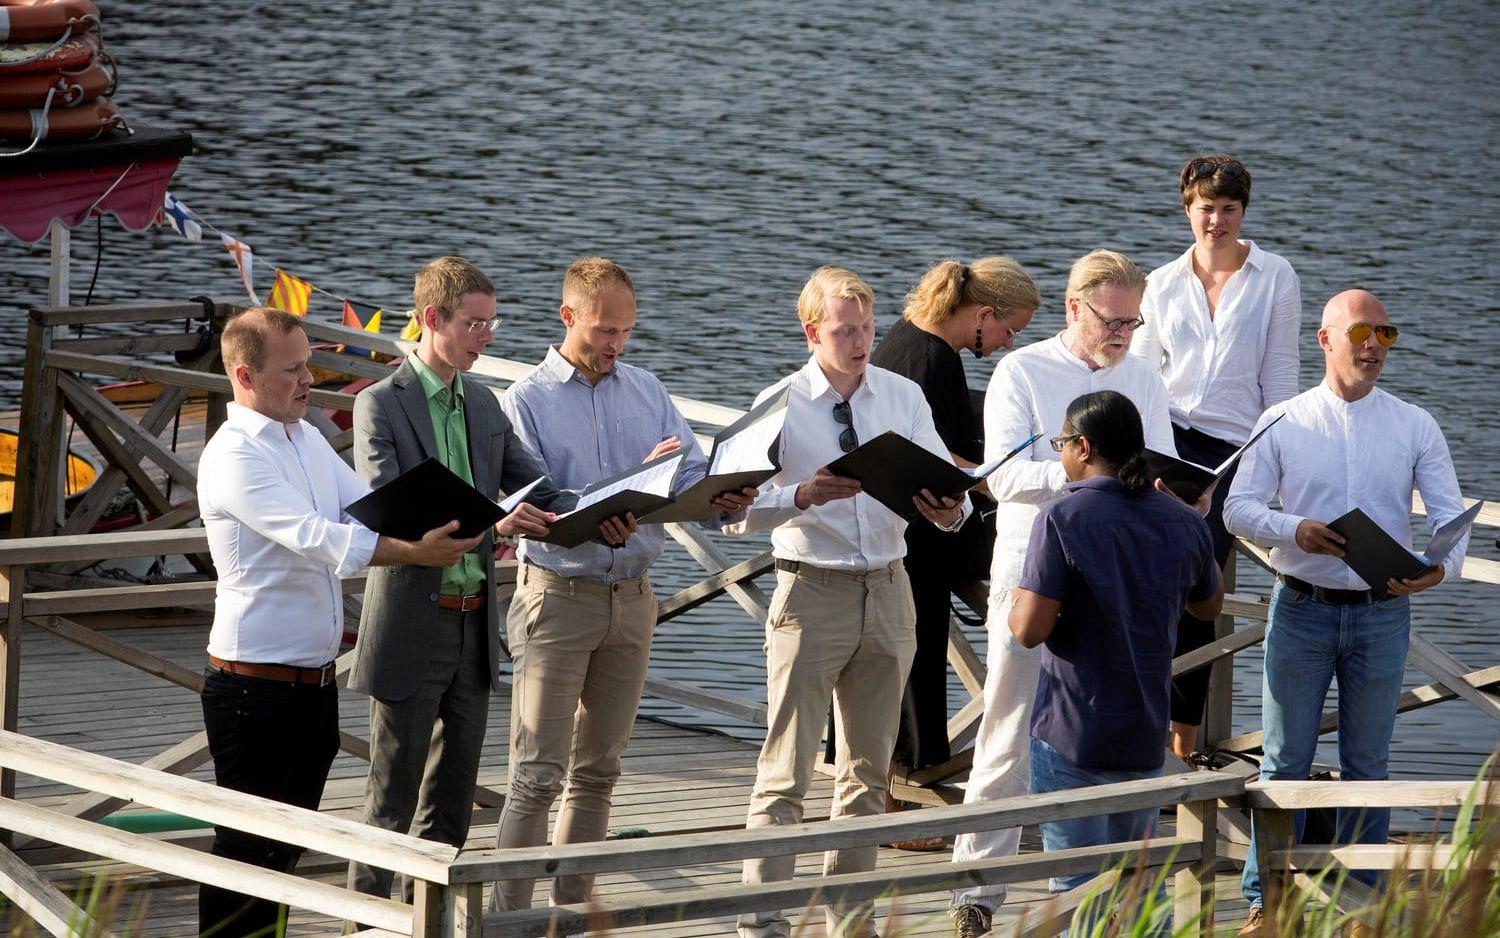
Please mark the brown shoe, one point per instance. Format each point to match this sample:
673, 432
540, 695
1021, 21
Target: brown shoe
920, 845
1255, 925
971, 921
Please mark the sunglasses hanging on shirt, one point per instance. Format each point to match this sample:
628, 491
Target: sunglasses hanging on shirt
844, 414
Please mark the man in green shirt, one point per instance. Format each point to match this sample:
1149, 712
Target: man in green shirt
429, 642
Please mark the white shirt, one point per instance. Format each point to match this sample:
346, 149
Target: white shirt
1330, 456
273, 500
855, 533
1222, 371
1029, 392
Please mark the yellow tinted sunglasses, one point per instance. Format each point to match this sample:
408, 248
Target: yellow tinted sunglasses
1360, 331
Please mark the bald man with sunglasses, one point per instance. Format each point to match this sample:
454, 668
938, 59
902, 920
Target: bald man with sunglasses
1342, 445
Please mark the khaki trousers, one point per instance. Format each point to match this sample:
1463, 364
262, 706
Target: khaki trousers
850, 637
580, 649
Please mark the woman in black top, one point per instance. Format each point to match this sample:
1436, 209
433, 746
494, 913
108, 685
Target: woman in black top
979, 307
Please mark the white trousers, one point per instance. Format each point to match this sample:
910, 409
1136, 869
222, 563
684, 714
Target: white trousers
1002, 750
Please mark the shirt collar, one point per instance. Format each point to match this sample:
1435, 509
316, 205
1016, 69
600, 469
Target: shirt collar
817, 382
558, 368
252, 421
1066, 354
1256, 257
1097, 483
1338, 402
432, 385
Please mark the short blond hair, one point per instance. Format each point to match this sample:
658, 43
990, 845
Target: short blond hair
587, 277
243, 341
831, 283
989, 281
443, 284
1099, 268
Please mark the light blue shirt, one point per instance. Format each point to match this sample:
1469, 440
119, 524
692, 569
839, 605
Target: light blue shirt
583, 432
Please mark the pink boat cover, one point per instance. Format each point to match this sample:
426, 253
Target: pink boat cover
132, 192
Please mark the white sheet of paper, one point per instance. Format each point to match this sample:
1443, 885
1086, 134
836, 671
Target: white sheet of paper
514, 499
1223, 467
654, 480
750, 448
1445, 538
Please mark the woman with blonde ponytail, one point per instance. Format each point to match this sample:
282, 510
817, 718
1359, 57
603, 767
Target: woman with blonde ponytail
979, 306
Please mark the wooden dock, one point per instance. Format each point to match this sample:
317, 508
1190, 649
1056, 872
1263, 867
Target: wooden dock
98, 695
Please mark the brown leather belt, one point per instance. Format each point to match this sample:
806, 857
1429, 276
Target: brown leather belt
286, 673
1332, 597
461, 603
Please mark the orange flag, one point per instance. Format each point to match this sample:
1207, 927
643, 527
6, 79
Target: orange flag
244, 259
370, 323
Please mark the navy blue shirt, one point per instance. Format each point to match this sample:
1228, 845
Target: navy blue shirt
1122, 566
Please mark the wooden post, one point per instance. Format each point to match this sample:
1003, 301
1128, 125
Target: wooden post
39, 457
428, 900
14, 587
1274, 831
1218, 718
463, 910
1193, 888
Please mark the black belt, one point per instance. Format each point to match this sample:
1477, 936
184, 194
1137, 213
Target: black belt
1330, 596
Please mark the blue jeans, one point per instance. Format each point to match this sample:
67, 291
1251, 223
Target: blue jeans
1051, 772
1307, 645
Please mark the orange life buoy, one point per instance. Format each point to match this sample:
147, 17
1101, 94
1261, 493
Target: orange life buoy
35, 20
70, 89
75, 123
48, 57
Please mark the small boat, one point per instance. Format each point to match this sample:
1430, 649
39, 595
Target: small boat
81, 474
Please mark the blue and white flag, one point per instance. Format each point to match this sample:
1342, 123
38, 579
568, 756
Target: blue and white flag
180, 217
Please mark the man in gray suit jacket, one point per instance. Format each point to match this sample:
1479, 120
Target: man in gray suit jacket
429, 643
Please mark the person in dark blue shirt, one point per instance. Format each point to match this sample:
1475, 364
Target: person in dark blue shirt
1108, 571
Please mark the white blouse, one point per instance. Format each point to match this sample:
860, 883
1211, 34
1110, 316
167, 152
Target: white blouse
1223, 371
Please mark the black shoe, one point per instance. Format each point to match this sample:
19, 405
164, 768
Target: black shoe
971, 921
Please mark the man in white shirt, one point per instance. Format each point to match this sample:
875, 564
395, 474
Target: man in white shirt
272, 492
1342, 445
1029, 393
842, 623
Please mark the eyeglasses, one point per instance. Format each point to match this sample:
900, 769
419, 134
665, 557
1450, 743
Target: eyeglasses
1003, 319
1058, 442
482, 326
1115, 325
1203, 169
844, 414
1360, 331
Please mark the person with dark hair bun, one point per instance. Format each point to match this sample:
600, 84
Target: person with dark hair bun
1108, 570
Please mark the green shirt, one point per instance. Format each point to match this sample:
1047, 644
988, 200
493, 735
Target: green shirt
446, 406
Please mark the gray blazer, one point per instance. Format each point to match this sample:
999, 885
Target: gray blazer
393, 433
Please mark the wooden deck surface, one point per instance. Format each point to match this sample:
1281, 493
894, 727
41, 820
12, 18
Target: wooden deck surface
675, 780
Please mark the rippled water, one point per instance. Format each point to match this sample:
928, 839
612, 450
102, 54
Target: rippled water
722, 150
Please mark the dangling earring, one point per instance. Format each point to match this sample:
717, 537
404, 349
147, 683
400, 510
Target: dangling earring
979, 342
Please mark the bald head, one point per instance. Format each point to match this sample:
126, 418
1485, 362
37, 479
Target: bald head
1353, 306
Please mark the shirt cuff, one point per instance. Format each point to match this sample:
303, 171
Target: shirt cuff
357, 555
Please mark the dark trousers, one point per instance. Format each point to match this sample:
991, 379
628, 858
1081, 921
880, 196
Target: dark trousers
922, 738
424, 750
271, 739
1190, 690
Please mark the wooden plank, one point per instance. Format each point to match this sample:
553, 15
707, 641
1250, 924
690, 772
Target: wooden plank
201, 867
736, 707
964, 660
1489, 514
1449, 672
1409, 857
120, 457
1386, 794
178, 760
693, 849
963, 726
148, 344
52, 911
98, 499
1414, 699
1218, 648
412, 856
1350, 896
715, 585
718, 901
1481, 570
116, 598
114, 545
750, 597
95, 406
36, 497
117, 313
1057, 913
175, 377
1274, 831
120, 651
358, 366
955, 764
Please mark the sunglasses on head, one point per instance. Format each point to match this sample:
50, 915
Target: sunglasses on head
1203, 169
1360, 331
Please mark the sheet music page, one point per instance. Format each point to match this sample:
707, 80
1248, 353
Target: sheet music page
750, 448
1223, 467
1445, 538
514, 499
654, 479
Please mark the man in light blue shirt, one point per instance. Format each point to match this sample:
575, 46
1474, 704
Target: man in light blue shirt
581, 620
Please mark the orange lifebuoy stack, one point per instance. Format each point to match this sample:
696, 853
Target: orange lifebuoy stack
55, 77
